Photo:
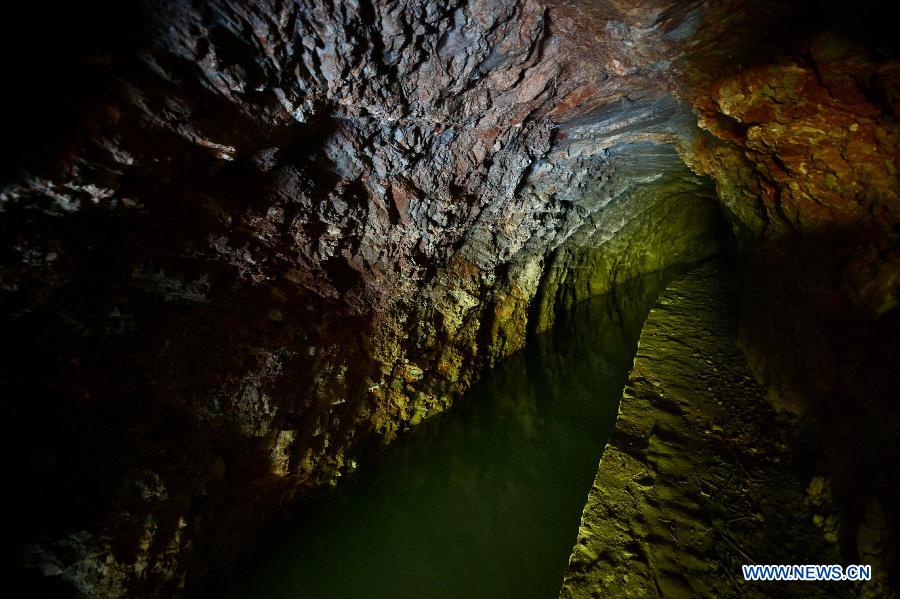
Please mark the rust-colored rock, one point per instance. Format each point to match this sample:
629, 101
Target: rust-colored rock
244, 240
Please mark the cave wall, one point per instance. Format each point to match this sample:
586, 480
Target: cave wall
248, 241
678, 222
801, 140
272, 234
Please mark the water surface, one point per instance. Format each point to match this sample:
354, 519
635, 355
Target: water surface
484, 500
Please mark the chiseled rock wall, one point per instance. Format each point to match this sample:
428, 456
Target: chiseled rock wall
257, 237
245, 240
677, 222
802, 145
806, 146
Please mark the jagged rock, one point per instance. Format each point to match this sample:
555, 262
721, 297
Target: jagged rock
246, 240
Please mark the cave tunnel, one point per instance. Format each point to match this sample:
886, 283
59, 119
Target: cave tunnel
481, 298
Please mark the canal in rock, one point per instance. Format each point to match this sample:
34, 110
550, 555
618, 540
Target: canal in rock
482, 501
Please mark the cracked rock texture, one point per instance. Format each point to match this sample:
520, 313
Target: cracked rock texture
247, 240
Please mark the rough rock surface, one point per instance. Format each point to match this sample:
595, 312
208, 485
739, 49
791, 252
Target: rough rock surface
245, 240
272, 233
697, 478
802, 144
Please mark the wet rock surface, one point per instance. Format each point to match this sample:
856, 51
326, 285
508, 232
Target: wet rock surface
699, 476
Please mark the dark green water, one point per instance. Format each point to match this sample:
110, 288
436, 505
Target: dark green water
482, 501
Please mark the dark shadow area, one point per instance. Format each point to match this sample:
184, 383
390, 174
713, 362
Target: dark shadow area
59, 61
832, 367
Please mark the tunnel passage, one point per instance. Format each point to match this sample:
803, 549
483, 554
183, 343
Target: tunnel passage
259, 240
482, 501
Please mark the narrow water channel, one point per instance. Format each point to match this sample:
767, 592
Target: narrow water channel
482, 501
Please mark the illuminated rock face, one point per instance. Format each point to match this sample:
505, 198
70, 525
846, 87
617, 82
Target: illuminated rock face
808, 149
259, 236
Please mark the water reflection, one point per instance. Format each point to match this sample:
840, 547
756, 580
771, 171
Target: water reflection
483, 501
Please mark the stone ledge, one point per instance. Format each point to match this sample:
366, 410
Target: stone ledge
697, 478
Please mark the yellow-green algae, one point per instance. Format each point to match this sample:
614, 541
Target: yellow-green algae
481, 502
679, 224
660, 224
